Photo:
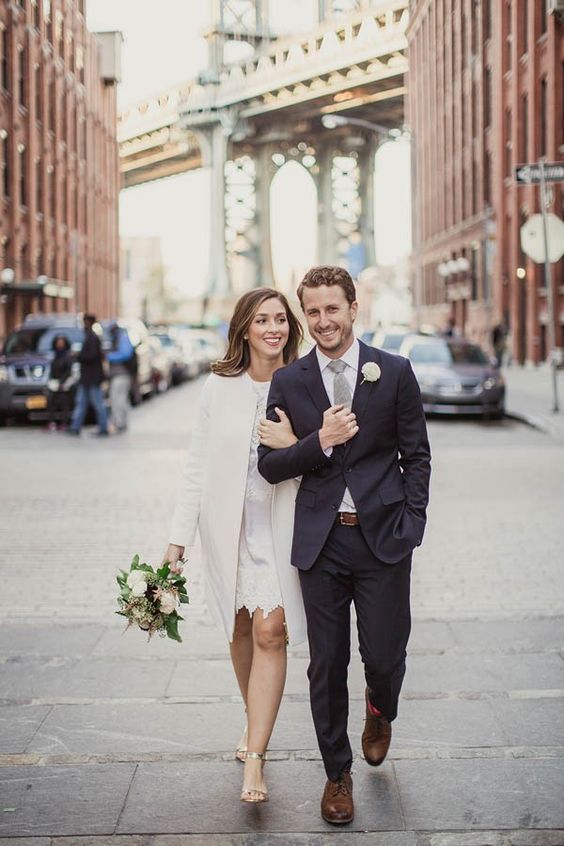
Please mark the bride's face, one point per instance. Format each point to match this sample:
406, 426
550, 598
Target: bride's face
269, 330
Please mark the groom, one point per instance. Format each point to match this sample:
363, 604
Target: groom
363, 453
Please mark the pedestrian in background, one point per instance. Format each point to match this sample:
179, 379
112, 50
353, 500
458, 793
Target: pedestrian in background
498, 342
91, 359
60, 384
120, 358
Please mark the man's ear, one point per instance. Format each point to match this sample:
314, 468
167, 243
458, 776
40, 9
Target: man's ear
354, 310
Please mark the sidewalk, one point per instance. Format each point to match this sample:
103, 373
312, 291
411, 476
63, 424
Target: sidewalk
529, 398
107, 740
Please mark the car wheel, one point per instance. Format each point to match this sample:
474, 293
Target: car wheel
135, 395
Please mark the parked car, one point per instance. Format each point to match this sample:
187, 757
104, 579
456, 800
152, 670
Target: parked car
389, 340
179, 362
201, 346
455, 376
161, 364
25, 362
143, 383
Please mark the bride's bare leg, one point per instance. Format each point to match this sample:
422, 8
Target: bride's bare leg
266, 685
242, 656
242, 650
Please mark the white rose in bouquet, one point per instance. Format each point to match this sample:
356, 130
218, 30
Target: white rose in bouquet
167, 602
139, 588
135, 577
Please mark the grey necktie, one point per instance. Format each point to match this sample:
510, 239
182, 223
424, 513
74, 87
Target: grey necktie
342, 394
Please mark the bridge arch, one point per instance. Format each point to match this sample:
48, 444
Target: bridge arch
293, 223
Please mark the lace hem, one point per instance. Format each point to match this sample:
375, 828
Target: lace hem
259, 607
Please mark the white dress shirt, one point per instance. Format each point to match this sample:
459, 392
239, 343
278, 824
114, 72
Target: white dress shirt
350, 358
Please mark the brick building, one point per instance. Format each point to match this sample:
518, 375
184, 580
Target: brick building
486, 94
59, 179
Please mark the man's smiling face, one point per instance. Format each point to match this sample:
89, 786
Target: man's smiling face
330, 318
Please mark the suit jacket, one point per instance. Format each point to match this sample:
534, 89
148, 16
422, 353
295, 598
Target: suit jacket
212, 497
386, 466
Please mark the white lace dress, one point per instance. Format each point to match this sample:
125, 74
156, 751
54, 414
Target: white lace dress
257, 579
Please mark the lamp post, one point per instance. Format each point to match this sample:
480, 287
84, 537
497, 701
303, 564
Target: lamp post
334, 121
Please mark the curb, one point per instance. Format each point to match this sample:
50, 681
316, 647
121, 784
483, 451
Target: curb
538, 422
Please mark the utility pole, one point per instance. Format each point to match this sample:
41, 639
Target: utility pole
550, 335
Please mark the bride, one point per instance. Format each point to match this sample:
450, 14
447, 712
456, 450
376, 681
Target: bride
246, 524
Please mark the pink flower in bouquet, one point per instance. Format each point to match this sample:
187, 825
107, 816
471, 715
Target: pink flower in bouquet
167, 602
139, 588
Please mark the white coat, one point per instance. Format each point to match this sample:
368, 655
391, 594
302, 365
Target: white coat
212, 496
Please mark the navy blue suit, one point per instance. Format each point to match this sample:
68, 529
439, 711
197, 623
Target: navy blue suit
386, 467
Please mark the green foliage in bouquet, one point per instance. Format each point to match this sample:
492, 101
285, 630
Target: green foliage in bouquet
149, 598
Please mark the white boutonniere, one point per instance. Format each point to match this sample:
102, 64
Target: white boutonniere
371, 372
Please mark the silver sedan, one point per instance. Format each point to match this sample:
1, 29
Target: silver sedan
455, 376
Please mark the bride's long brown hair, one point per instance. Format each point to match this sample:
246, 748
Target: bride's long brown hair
238, 358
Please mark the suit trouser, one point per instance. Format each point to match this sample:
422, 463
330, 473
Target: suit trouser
346, 571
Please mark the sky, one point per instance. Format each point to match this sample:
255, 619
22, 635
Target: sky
163, 45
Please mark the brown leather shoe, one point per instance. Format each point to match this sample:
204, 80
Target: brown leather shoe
337, 801
376, 737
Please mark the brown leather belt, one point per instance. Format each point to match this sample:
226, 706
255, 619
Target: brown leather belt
347, 518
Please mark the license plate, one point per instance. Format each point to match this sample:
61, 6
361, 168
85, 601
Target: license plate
36, 402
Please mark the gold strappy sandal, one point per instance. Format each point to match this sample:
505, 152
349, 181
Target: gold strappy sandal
255, 796
241, 751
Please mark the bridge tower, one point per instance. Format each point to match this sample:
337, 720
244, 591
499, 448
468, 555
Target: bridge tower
243, 151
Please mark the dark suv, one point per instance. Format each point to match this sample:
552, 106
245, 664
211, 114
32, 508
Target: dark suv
25, 362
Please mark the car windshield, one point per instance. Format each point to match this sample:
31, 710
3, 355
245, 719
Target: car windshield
393, 341
39, 340
467, 354
442, 353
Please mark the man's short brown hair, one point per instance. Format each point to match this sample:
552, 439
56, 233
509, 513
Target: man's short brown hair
327, 274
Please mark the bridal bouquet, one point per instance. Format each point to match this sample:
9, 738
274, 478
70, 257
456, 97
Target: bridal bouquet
149, 598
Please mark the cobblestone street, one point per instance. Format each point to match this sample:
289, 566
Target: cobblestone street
107, 739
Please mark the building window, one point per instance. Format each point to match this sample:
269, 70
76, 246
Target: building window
35, 13
488, 179
5, 162
82, 138
52, 199
21, 76
543, 117
488, 98
64, 199
22, 174
508, 143
64, 127
524, 144
474, 186
38, 92
474, 27
487, 13
543, 9
38, 186
463, 37
60, 34
79, 59
52, 102
508, 43
4, 59
48, 20
474, 274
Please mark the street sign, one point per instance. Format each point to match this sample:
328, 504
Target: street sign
532, 238
526, 174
